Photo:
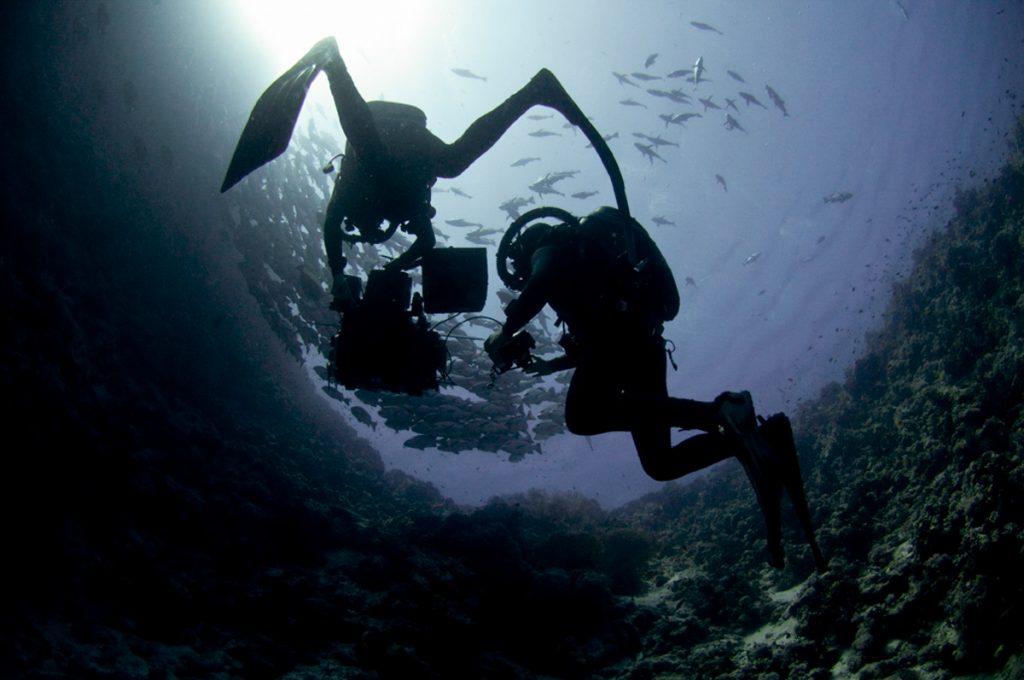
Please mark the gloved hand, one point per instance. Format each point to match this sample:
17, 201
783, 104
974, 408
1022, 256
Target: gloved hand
493, 344
540, 366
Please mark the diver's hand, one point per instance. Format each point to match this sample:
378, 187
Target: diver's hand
497, 340
540, 367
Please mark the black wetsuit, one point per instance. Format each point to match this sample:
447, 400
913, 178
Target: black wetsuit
619, 384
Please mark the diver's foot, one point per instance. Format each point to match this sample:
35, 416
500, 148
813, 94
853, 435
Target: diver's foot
324, 52
778, 433
549, 92
736, 413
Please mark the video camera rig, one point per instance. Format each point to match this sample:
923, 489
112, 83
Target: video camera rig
385, 341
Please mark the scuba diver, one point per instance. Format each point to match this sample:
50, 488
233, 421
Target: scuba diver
610, 285
391, 159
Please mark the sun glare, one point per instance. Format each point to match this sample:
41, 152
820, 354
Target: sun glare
381, 35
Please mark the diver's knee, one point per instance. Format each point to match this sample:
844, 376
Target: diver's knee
578, 426
657, 472
582, 425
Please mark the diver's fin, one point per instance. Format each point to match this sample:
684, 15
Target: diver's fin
736, 413
779, 433
269, 129
757, 463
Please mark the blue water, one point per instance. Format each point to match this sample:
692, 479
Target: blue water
892, 102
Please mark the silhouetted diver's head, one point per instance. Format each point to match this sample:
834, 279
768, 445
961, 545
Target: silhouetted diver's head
525, 245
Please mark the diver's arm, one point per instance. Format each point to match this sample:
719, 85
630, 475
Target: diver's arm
548, 366
425, 241
535, 294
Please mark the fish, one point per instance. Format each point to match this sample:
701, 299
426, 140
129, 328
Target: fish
679, 73
624, 79
630, 102
708, 104
524, 161
721, 180
838, 197
560, 175
479, 239
679, 97
656, 141
732, 124
546, 183
334, 393
705, 27
698, 71
736, 76
511, 206
644, 76
584, 194
649, 153
363, 416
463, 223
459, 192
649, 61
731, 104
484, 231
681, 118
421, 442
690, 282
466, 73
540, 116
658, 93
751, 99
777, 100
752, 258
662, 222
542, 187
544, 133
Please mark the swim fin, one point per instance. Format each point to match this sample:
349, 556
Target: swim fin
761, 470
269, 129
778, 432
736, 413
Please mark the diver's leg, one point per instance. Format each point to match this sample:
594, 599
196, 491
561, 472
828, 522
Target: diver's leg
543, 89
593, 403
353, 112
488, 129
663, 462
686, 414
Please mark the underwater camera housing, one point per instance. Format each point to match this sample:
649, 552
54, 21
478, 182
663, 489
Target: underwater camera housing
516, 353
385, 342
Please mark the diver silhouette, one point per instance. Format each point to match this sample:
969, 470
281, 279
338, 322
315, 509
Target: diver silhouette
610, 285
391, 159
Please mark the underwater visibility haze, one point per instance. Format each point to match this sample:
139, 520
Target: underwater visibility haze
193, 488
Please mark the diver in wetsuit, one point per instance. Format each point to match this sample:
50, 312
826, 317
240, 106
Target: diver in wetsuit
610, 285
391, 159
